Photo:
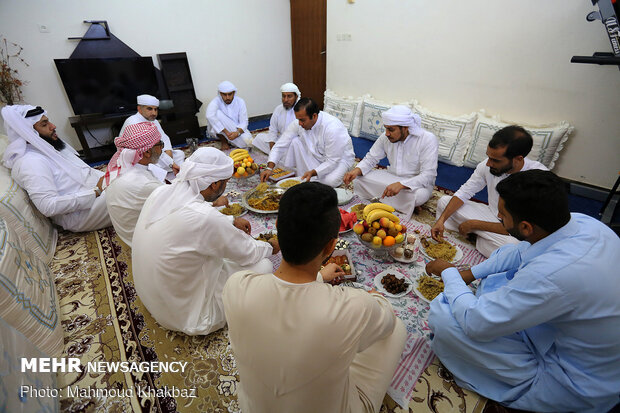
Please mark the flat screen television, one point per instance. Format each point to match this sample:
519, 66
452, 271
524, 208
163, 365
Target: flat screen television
106, 86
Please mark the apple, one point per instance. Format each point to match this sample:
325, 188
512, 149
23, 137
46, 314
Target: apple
399, 238
358, 229
376, 225
241, 170
398, 227
381, 234
377, 241
384, 222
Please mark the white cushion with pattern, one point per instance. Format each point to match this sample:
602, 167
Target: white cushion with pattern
347, 109
453, 133
372, 124
548, 140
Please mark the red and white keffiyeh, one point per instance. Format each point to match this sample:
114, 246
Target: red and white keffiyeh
131, 145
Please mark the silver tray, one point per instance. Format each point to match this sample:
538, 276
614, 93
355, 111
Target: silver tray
249, 194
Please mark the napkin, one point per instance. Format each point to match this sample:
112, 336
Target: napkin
347, 220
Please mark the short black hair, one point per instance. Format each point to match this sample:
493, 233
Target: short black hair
308, 104
517, 140
307, 220
536, 196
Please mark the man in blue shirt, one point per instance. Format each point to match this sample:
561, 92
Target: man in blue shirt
542, 332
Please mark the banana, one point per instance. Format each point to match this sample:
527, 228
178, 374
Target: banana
381, 213
239, 157
377, 205
236, 151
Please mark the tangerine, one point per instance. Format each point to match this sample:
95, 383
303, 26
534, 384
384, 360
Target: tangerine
389, 241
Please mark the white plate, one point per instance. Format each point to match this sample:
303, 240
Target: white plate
279, 184
399, 275
344, 196
245, 210
415, 288
457, 257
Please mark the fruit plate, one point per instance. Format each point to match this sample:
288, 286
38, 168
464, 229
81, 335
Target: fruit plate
249, 194
398, 275
243, 212
282, 184
236, 175
344, 196
457, 257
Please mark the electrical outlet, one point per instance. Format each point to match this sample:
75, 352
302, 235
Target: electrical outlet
346, 37
44, 28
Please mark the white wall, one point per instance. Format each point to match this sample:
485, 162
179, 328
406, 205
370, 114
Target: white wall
244, 41
510, 57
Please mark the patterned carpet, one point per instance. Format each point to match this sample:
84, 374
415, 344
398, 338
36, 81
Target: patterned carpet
104, 320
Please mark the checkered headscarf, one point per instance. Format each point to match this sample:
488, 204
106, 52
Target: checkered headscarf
131, 145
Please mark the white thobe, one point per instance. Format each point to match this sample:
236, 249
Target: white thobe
413, 163
280, 119
310, 347
181, 263
233, 117
165, 161
486, 242
56, 195
326, 148
125, 197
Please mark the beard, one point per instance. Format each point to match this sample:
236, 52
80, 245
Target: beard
57, 143
515, 233
500, 172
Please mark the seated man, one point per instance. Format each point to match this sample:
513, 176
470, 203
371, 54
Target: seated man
58, 182
506, 153
412, 153
301, 344
282, 116
138, 148
318, 146
228, 117
541, 333
184, 250
148, 108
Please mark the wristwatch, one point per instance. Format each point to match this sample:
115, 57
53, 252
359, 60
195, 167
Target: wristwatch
97, 191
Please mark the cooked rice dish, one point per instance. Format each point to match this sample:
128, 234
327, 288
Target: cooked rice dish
429, 287
289, 184
232, 209
441, 250
265, 201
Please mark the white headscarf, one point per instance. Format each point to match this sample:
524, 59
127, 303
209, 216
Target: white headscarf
401, 115
21, 133
226, 87
201, 169
148, 100
231, 110
290, 88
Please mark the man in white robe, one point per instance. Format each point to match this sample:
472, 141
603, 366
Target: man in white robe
412, 153
148, 108
228, 117
282, 116
62, 186
506, 152
184, 249
130, 170
318, 147
301, 344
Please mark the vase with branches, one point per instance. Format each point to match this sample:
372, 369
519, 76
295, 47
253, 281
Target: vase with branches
10, 83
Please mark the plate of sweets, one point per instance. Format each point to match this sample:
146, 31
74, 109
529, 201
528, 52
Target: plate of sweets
342, 258
427, 287
288, 183
244, 165
392, 283
408, 253
279, 174
445, 250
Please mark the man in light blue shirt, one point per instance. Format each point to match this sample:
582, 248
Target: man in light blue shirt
542, 332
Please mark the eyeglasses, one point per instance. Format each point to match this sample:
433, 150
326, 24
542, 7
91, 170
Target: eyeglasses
34, 112
160, 143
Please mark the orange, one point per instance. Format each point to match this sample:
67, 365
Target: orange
250, 160
389, 241
236, 175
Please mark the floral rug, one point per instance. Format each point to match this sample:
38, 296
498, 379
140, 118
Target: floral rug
104, 320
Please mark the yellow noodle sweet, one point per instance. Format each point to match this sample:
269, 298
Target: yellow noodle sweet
269, 201
288, 184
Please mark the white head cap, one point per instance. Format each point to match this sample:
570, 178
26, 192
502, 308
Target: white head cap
290, 88
148, 100
226, 87
401, 115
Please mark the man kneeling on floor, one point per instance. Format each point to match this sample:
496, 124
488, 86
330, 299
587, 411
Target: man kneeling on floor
541, 333
303, 345
184, 249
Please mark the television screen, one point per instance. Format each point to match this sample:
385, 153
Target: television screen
106, 86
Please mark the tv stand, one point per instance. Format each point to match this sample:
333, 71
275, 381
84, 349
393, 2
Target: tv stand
82, 122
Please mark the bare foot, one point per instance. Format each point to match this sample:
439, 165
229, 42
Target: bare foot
224, 143
417, 210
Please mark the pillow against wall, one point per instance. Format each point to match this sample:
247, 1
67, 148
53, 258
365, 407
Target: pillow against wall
371, 123
548, 140
28, 300
453, 133
36, 231
348, 110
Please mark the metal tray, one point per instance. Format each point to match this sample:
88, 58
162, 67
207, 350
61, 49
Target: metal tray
249, 194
